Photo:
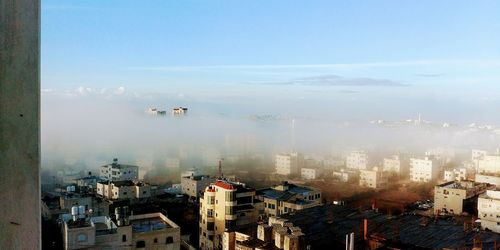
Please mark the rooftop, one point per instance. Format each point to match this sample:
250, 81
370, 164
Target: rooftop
326, 226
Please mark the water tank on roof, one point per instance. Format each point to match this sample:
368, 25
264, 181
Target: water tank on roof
81, 212
74, 212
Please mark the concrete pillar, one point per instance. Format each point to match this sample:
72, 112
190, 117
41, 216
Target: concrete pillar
20, 220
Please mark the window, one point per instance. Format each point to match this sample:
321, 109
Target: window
124, 238
81, 238
124, 193
210, 226
210, 213
155, 240
169, 240
229, 210
140, 244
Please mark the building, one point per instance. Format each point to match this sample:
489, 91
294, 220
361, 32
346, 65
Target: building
155, 111
478, 155
89, 181
490, 179
488, 207
287, 164
442, 155
424, 170
151, 231
179, 111
489, 164
193, 185
119, 172
287, 197
310, 173
225, 206
456, 197
392, 164
276, 234
357, 160
123, 190
344, 175
373, 178
456, 174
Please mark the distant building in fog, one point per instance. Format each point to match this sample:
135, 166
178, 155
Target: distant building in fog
123, 190
424, 170
179, 111
373, 178
287, 164
193, 185
357, 160
310, 173
392, 164
155, 111
457, 174
489, 164
119, 172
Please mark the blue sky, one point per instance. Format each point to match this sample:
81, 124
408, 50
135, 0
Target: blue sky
446, 50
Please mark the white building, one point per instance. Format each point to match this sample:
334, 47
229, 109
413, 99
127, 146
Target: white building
457, 174
491, 179
489, 164
373, 178
122, 231
392, 164
488, 207
123, 190
155, 111
287, 164
195, 184
310, 173
478, 155
119, 172
424, 170
179, 111
441, 155
343, 175
357, 160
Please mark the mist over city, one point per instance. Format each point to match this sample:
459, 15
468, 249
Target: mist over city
270, 125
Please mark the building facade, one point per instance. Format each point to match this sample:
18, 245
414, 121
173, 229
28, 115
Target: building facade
424, 170
123, 190
357, 160
287, 164
119, 172
287, 197
225, 206
193, 185
488, 206
456, 197
310, 173
373, 178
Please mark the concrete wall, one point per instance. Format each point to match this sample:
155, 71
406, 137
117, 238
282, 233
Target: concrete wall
20, 226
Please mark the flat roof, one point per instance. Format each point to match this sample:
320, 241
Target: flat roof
325, 227
149, 224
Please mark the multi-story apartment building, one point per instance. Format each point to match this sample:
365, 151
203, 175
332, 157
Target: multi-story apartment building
179, 111
456, 174
145, 231
392, 164
193, 185
287, 164
357, 160
490, 179
225, 205
478, 155
456, 197
119, 172
489, 164
488, 207
310, 173
373, 178
123, 190
424, 170
287, 197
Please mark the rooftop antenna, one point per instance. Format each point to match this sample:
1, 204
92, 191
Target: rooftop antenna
220, 168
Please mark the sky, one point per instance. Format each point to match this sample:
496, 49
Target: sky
332, 60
